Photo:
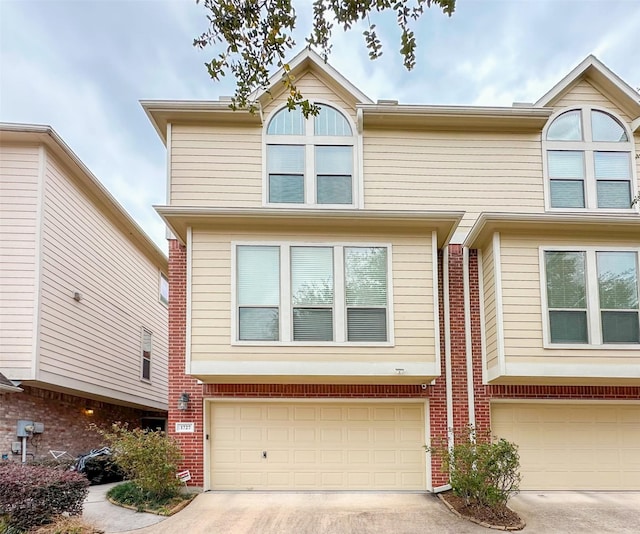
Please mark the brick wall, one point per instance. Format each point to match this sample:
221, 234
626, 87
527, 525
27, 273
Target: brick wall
190, 443
66, 423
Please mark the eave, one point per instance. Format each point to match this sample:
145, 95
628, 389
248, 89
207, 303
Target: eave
575, 225
454, 117
346, 220
7, 386
45, 135
164, 112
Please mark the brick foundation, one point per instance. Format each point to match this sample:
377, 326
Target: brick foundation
66, 423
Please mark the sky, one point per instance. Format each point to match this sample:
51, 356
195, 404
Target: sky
82, 66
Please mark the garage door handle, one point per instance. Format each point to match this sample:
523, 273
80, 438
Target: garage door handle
264, 454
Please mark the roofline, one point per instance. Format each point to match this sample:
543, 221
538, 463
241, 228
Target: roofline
404, 218
537, 219
581, 69
307, 54
44, 134
162, 112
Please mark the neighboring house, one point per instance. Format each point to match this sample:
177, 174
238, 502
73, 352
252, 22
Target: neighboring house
83, 302
348, 287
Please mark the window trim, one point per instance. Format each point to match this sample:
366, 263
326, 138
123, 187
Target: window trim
594, 325
161, 299
588, 148
310, 141
144, 330
286, 305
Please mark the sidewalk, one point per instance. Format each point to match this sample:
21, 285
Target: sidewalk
110, 518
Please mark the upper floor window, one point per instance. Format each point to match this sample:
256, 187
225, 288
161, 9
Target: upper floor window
164, 289
146, 354
592, 296
310, 161
588, 161
312, 293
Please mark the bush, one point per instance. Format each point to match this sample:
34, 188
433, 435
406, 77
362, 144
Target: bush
482, 471
149, 458
67, 525
32, 495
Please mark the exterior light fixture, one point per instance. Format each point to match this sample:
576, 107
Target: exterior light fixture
88, 411
183, 401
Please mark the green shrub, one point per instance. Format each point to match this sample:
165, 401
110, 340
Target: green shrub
149, 458
32, 495
481, 470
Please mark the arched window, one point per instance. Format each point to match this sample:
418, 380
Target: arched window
588, 161
310, 161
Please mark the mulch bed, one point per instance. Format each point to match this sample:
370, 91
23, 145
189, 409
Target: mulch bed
499, 518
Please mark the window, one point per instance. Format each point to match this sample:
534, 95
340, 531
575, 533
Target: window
164, 289
588, 161
146, 354
310, 161
592, 296
312, 293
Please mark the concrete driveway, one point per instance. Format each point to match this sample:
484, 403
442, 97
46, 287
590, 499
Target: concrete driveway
380, 513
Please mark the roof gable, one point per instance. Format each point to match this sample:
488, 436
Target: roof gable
310, 61
603, 79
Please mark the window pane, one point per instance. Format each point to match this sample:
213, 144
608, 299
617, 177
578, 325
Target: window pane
567, 127
565, 279
620, 327
606, 128
312, 324
566, 164
568, 326
331, 122
567, 194
287, 122
312, 275
286, 188
258, 270
334, 190
612, 164
146, 369
285, 159
614, 194
164, 289
367, 324
366, 276
334, 160
617, 280
258, 324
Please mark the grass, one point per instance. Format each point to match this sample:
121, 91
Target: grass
128, 494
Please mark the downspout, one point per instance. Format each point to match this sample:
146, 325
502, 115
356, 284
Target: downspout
467, 335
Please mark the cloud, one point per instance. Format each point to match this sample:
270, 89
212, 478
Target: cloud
82, 67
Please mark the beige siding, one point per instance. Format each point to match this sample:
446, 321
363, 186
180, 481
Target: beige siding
313, 89
19, 194
95, 345
489, 287
523, 306
216, 165
584, 93
474, 172
211, 301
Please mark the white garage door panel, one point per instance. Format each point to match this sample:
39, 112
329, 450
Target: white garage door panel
318, 446
573, 446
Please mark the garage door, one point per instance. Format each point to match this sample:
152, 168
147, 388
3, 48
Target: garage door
573, 446
304, 446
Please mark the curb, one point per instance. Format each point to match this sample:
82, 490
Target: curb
168, 513
481, 523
